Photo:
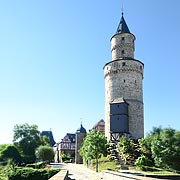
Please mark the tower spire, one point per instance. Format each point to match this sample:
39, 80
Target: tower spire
122, 27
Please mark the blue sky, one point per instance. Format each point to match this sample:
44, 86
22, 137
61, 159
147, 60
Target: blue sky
52, 55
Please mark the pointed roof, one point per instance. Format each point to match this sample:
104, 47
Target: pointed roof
49, 134
81, 129
122, 27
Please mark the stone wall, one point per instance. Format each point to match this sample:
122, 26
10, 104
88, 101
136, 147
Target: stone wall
122, 45
123, 79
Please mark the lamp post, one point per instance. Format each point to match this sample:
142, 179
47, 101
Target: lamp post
57, 150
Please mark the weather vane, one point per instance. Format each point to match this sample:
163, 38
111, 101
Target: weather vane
122, 9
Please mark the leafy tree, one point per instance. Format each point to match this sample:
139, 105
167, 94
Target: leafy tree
45, 153
11, 152
156, 130
166, 149
3, 146
127, 150
145, 145
45, 141
27, 139
94, 146
66, 156
112, 153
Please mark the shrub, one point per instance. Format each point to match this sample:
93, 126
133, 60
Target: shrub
45, 153
37, 165
142, 162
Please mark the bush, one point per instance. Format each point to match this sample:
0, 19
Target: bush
45, 153
142, 162
31, 174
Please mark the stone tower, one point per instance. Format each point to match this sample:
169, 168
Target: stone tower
123, 75
80, 135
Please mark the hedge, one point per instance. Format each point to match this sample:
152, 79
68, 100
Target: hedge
31, 174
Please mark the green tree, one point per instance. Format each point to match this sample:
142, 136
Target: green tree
27, 138
10, 152
94, 146
45, 153
127, 150
3, 146
145, 146
45, 141
166, 148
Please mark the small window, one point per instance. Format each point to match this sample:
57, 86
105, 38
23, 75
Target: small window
122, 38
135, 81
123, 64
122, 51
124, 80
140, 67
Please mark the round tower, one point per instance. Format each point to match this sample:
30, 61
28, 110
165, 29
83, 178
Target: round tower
123, 75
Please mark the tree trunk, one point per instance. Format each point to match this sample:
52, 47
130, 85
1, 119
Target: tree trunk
96, 164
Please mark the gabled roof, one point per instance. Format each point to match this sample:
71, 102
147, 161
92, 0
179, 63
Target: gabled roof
99, 122
122, 27
71, 137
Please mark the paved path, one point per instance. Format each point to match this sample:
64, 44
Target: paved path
79, 172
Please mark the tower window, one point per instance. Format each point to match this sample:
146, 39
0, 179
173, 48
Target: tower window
123, 64
124, 80
122, 38
122, 51
140, 67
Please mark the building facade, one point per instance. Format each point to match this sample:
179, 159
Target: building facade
66, 145
124, 112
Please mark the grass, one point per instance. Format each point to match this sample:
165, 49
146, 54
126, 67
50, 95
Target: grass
105, 164
154, 170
